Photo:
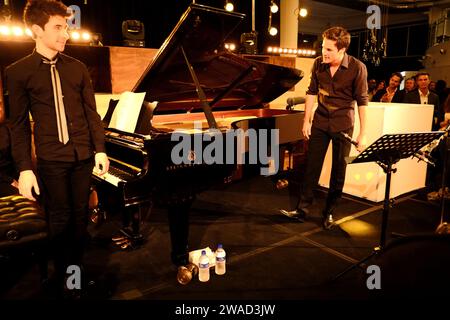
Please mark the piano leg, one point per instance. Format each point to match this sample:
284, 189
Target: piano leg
179, 231
131, 236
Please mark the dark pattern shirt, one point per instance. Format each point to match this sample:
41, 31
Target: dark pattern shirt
30, 90
336, 94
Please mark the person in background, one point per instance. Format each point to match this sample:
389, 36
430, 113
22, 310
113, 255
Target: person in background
410, 85
338, 80
446, 119
432, 86
68, 132
372, 88
423, 95
392, 93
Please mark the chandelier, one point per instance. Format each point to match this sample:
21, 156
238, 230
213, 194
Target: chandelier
375, 45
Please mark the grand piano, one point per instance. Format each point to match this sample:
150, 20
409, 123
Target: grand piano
194, 88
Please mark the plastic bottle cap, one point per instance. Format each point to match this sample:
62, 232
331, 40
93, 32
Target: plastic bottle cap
219, 246
203, 252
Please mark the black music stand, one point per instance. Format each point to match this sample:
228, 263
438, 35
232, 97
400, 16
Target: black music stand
386, 151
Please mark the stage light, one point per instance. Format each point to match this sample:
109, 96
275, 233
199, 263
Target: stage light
75, 36
300, 52
230, 46
133, 32
5, 31
86, 36
273, 31
303, 12
249, 43
229, 6
28, 32
273, 7
17, 31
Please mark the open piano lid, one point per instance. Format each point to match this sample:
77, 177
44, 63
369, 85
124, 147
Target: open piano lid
202, 32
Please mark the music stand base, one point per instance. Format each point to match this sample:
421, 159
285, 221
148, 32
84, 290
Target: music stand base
443, 228
375, 251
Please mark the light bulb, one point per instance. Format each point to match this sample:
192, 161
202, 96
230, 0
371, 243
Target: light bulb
303, 12
273, 31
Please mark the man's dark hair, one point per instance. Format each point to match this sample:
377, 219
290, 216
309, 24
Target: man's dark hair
39, 12
422, 74
338, 34
397, 74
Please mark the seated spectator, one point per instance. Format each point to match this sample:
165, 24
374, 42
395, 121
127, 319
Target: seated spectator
446, 119
380, 86
372, 88
424, 96
392, 93
410, 85
432, 86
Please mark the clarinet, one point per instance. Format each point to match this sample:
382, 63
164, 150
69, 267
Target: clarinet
433, 144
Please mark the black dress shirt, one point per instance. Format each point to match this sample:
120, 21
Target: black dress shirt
30, 90
335, 111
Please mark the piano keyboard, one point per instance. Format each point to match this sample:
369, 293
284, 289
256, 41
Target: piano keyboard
114, 176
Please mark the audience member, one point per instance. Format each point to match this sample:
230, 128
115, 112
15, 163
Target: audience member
424, 96
392, 93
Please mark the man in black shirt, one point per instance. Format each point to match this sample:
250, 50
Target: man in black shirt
68, 133
338, 79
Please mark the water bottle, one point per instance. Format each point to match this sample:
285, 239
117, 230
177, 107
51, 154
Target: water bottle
203, 267
220, 260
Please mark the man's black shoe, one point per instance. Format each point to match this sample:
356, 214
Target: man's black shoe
328, 222
297, 214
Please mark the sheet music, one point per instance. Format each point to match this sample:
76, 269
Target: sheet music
126, 113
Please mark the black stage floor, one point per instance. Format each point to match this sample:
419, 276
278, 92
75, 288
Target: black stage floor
269, 256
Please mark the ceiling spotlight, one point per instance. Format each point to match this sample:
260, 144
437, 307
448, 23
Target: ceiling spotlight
273, 31
229, 6
273, 7
303, 12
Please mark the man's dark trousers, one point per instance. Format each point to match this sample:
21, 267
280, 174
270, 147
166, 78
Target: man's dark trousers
317, 149
65, 187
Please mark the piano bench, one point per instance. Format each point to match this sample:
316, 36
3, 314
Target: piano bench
22, 224
23, 228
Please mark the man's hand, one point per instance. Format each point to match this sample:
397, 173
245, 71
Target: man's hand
15, 184
306, 129
361, 142
101, 163
28, 182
